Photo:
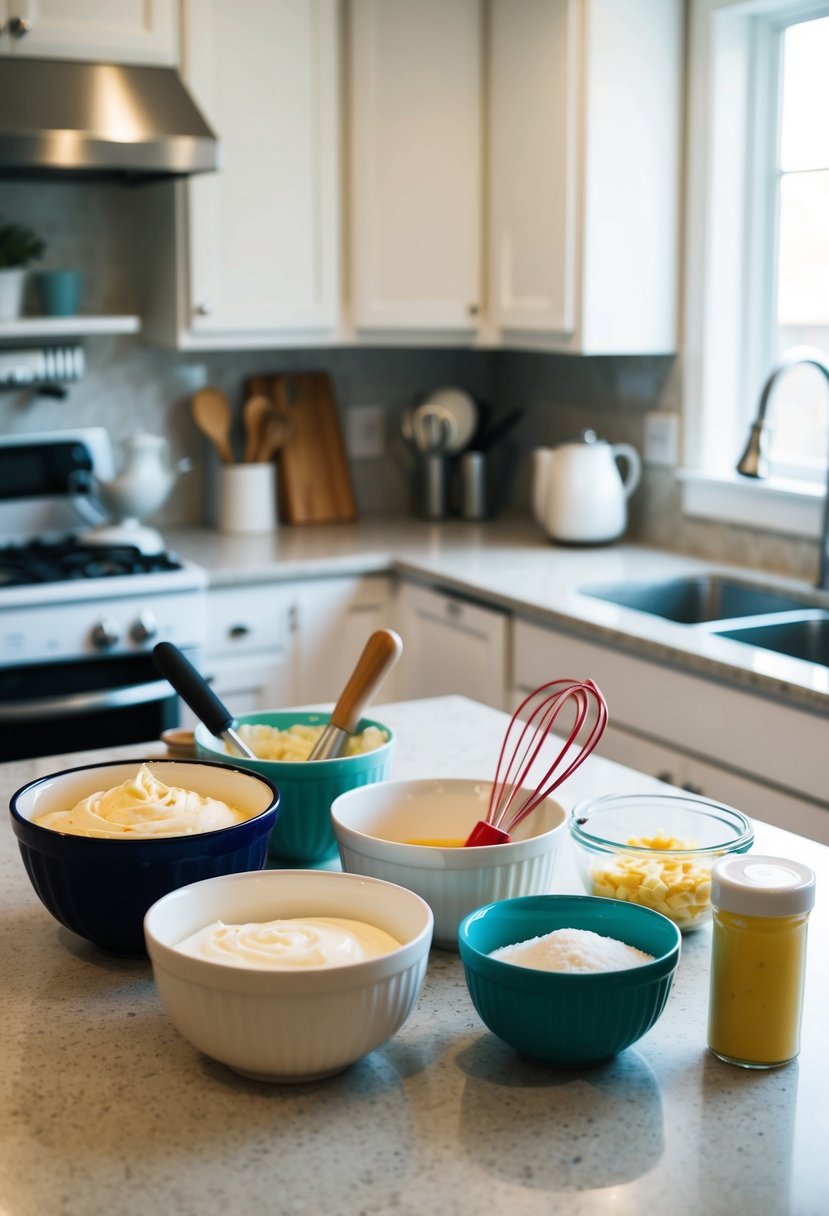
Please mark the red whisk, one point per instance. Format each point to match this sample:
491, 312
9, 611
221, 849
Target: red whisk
513, 796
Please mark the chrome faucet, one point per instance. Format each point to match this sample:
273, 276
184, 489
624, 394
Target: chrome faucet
754, 461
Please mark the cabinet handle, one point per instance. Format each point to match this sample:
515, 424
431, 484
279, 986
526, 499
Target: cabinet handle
203, 310
473, 310
19, 27
691, 787
667, 777
238, 631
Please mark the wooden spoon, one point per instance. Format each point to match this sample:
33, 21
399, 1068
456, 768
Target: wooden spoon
276, 431
213, 417
255, 413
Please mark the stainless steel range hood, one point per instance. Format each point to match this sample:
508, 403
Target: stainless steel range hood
60, 118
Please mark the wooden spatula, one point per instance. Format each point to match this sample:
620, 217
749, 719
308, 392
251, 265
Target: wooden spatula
380, 654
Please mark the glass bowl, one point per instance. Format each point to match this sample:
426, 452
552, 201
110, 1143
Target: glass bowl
656, 850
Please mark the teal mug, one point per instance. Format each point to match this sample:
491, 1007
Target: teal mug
59, 291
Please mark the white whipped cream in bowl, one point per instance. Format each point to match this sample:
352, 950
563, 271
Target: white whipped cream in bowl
313, 941
289, 975
143, 805
101, 843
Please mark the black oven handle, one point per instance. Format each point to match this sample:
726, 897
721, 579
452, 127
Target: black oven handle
85, 703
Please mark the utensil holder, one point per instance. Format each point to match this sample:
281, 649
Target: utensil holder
475, 495
247, 499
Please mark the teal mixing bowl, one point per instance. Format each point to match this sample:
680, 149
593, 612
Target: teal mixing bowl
303, 831
563, 1018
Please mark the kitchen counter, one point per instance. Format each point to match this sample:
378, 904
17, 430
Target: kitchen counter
105, 1109
509, 563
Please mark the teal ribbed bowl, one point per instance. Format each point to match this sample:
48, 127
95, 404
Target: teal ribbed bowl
562, 1018
303, 830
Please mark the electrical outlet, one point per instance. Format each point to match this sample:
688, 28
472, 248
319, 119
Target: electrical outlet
661, 439
191, 377
365, 432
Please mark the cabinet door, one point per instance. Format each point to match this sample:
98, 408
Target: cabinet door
250, 656
533, 78
125, 31
585, 113
699, 776
415, 172
263, 231
450, 646
336, 617
731, 737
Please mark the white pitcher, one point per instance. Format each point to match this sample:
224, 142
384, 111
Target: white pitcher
579, 496
144, 480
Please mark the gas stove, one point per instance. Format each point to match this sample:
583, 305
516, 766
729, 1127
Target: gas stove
62, 596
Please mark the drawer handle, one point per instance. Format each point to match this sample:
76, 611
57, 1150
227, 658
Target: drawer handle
238, 631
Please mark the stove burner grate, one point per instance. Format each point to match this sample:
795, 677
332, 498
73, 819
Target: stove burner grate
61, 561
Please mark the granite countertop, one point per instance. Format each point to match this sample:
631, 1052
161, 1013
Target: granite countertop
105, 1109
509, 564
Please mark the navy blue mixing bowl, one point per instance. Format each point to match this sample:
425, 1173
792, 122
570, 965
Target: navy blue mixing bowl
101, 887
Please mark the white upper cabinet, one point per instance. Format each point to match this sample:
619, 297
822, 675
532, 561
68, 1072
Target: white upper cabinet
585, 119
415, 147
256, 245
123, 31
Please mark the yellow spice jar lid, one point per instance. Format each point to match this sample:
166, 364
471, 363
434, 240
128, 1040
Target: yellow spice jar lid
751, 884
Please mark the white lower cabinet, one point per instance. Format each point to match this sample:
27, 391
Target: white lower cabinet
706, 737
451, 646
251, 656
273, 645
335, 620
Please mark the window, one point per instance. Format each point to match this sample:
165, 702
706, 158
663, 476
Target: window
757, 265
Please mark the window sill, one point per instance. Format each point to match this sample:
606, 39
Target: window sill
776, 505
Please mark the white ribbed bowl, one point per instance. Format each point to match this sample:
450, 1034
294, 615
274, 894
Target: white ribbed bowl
288, 1025
373, 826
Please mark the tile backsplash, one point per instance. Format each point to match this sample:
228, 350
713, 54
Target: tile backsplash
130, 384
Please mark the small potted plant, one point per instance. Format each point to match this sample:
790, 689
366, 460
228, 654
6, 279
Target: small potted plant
19, 247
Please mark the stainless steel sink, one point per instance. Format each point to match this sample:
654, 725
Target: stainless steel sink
805, 639
696, 601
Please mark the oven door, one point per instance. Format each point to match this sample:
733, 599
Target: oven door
47, 708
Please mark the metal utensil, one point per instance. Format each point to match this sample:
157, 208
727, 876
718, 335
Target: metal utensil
433, 429
381, 652
194, 689
515, 793
214, 418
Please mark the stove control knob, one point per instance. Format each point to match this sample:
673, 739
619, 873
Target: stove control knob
104, 635
144, 628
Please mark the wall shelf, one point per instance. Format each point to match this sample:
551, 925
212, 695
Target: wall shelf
67, 327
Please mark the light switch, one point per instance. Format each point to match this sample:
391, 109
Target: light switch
661, 438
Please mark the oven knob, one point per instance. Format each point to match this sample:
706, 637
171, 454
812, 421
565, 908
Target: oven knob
144, 628
104, 635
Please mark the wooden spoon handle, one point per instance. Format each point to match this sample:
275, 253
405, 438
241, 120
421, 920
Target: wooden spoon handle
255, 413
380, 653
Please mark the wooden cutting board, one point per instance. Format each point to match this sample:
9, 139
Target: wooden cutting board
314, 479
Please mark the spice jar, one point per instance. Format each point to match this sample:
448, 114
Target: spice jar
761, 907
